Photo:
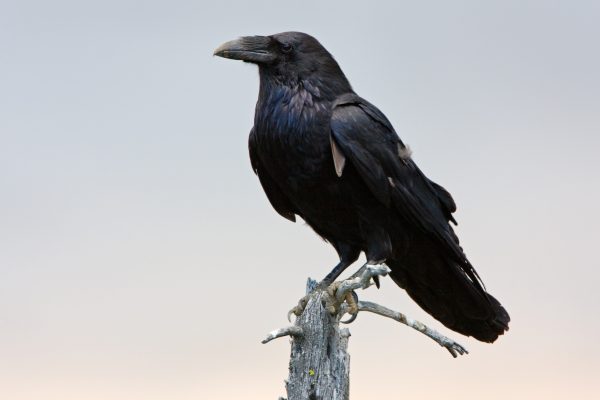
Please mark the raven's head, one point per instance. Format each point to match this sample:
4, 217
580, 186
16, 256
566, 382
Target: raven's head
289, 58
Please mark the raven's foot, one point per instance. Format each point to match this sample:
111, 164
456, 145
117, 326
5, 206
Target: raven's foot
299, 309
333, 301
340, 292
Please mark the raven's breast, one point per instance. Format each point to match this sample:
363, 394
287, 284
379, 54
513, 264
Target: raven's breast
299, 159
292, 138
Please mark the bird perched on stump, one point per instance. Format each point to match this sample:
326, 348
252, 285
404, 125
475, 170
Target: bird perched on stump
323, 153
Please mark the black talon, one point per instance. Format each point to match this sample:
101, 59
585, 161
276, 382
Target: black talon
350, 320
376, 280
352, 316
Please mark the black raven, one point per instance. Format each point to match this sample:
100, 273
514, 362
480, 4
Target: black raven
329, 156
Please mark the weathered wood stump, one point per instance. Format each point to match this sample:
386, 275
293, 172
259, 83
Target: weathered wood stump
319, 360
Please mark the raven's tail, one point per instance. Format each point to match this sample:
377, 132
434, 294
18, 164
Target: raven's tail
442, 289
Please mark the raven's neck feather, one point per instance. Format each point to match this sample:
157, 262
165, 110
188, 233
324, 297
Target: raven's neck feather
324, 84
293, 106
282, 109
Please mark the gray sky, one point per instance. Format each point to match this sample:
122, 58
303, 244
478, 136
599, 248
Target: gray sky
139, 258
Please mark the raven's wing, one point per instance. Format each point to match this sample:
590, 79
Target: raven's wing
278, 199
368, 141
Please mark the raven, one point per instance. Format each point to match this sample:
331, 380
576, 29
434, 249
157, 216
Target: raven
323, 153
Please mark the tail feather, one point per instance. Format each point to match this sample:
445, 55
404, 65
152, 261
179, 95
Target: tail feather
443, 290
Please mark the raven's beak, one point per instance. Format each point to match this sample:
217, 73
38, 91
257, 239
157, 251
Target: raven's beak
254, 49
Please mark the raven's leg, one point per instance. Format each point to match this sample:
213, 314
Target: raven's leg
348, 254
378, 250
335, 272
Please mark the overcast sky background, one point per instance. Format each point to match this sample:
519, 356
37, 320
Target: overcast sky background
140, 259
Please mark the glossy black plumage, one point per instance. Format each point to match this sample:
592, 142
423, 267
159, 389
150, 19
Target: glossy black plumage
325, 154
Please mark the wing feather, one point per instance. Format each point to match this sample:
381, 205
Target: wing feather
370, 144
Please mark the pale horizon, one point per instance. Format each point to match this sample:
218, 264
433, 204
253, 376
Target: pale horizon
140, 259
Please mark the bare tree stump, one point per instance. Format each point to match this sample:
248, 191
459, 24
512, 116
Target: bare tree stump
319, 361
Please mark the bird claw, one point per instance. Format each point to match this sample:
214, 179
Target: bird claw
331, 304
376, 281
352, 301
299, 309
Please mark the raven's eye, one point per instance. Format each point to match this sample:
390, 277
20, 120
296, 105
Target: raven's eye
286, 47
